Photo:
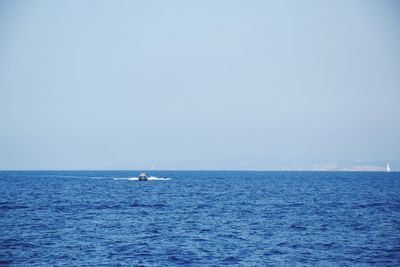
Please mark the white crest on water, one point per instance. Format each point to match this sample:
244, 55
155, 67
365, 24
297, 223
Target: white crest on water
151, 178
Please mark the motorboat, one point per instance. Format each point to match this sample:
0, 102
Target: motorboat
143, 177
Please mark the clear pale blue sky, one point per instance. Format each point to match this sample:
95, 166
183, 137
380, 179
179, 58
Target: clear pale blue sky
198, 84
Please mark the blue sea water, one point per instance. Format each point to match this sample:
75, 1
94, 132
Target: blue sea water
199, 218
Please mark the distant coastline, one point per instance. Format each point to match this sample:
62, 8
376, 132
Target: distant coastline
186, 170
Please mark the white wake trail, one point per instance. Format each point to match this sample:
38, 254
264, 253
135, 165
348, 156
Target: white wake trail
151, 178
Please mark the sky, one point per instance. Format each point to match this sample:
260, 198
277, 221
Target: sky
262, 85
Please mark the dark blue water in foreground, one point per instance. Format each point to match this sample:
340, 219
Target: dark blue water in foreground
200, 218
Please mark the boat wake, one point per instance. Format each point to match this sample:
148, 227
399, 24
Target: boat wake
151, 178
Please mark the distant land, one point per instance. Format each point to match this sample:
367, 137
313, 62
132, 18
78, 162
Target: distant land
357, 166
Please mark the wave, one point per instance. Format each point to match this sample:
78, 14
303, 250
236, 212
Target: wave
151, 178
75, 176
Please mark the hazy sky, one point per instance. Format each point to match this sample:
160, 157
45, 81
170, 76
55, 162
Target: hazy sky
198, 84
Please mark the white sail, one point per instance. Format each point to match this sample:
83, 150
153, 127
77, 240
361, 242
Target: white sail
388, 168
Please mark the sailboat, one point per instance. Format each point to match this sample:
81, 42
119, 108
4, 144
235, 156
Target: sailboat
388, 168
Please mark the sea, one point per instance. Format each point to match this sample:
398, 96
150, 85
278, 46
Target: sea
199, 218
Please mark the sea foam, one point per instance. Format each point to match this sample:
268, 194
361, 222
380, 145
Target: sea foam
151, 178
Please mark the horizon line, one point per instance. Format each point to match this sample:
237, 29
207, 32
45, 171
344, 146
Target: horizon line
179, 170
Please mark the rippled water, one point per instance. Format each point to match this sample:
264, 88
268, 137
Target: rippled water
199, 218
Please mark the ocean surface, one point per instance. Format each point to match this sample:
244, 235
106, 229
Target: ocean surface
199, 218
